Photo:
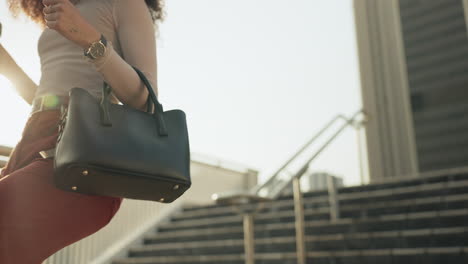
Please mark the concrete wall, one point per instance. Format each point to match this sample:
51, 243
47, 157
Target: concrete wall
211, 176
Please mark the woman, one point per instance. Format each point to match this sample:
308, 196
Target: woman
83, 43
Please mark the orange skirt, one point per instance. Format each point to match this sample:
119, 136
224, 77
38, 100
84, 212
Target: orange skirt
36, 218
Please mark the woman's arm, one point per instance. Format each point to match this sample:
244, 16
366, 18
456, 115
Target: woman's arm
136, 34
20, 80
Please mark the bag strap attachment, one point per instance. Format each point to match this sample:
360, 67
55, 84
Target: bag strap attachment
104, 105
152, 101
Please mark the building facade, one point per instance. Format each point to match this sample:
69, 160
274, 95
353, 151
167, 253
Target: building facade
413, 58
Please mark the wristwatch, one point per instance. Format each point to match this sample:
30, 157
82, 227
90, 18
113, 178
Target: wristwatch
97, 49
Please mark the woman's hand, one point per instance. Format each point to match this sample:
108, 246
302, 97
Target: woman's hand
63, 17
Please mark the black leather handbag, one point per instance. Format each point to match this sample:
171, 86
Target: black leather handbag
116, 150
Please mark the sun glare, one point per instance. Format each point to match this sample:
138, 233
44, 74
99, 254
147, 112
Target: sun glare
14, 113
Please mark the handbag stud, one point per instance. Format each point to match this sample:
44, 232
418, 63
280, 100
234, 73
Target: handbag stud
176, 187
161, 200
85, 172
74, 188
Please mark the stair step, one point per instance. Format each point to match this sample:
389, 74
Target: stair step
345, 199
283, 218
350, 210
404, 255
452, 175
402, 222
456, 236
233, 258
421, 220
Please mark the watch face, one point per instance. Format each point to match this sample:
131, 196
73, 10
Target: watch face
97, 50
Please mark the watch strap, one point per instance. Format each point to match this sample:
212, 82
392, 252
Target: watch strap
103, 40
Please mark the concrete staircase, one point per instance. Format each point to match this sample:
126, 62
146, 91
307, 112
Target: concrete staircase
421, 220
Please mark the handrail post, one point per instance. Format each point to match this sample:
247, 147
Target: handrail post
249, 242
333, 199
299, 221
360, 154
248, 206
358, 125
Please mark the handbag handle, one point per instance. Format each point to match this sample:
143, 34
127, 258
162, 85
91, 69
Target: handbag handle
152, 101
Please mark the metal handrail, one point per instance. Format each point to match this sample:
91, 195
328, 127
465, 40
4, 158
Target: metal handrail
351, 121
255, 191
325, 128
254, 195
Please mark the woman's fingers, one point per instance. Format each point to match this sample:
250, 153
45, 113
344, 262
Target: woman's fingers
63, 17
52, 24
48, 10
51, 14
51, 2
52, 8
51, 17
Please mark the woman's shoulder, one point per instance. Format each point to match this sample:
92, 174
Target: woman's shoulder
128, 10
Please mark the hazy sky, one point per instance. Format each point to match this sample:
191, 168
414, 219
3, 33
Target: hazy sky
256, 79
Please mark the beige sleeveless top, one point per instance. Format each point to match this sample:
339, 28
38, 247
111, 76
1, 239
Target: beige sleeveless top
130, 34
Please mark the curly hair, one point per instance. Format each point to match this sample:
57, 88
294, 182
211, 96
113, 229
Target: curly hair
33, 10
